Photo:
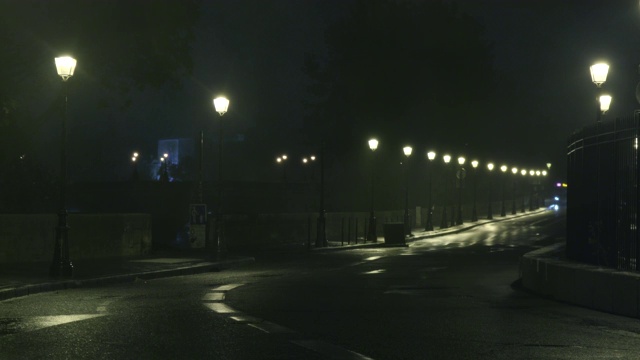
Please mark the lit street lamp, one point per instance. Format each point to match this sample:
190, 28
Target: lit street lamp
513, 193
164, 160
531, 174
407, 225
282, 161
523, 172
474, 213
221, 105
429, 225
599, 76
460, 175
61, 265
444, 224
490, 207
134, 160
503, 168
371, 233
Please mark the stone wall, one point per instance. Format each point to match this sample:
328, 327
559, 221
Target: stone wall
31, 237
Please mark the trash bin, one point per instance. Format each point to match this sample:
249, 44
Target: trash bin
394, 233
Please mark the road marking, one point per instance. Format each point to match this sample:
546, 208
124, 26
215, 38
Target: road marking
245, 319
17, 325
226, 287
330, 350
220, 308
372, 258
379, 271
213, 296
271, 328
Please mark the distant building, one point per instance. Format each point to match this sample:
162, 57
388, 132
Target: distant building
177, 149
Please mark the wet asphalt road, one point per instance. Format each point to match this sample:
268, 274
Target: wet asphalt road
451, 297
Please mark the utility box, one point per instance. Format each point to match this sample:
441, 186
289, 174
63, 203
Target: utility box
394, 233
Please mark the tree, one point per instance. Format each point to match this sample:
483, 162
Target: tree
410, 72
122, 47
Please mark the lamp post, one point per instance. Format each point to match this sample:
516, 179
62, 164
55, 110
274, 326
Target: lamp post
61, 265
407, 225
513, 192
164, 160
431, 155
460, 175
523, 172
371, 233
538, 173
599, 76
221, 105
444, 224
321, 239
282, 160
531, 174
490, 207
134, 160
474, 213
503, 168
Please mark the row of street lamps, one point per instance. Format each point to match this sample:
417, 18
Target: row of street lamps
460, 175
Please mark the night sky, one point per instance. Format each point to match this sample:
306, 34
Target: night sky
252, 51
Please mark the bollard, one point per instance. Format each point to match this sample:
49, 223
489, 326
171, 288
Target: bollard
349, 232
342, 232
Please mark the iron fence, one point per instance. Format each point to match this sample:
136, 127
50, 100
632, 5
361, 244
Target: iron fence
602, 194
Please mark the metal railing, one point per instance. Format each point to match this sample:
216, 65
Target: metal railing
602, 194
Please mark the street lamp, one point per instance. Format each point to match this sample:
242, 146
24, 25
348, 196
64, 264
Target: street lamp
599, 76
531, 173
460, 175
474, 213
61, 265
444, 224
134, 160
490, 207
407, 225
503, 168
371, 233
513, 193
282, 160
221, 105
431, 155
523, 172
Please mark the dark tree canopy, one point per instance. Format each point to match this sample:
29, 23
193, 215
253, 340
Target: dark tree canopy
122, 46
401, 71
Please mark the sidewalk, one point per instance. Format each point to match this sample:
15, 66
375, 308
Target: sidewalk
30, 278
420, 234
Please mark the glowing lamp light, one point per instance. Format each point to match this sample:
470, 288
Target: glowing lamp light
461, 160
474, 163
503, 168
537, 172
446, 158
221, 104
490, 166
66, 65
599, 73
373, 144
431, 155
523, 172
278, 159
407, 150
313, 158
514, 170
605, 103
544, 172
549, 166
558, 184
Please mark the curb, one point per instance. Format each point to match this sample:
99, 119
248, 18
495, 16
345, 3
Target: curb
122, 278
603, 289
